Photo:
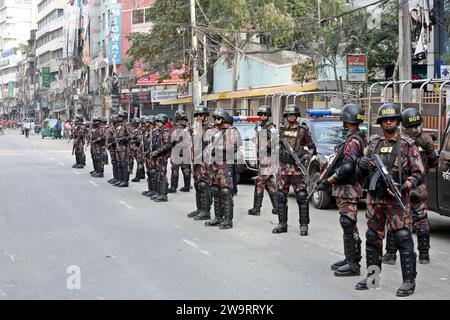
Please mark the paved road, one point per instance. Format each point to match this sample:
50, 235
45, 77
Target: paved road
128, 247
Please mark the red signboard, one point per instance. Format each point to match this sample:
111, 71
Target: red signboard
153, 79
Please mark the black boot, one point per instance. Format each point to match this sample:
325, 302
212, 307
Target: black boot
141, 171
228, 205
257, 203
164, 185
94, 164
218, 210
173, 183
146, 192
282, 213
99, 169
338, 264
352, 267
157, 185
187, 183
153, 183
137, 177
423, 246
194, 213
273, 200
205, 202
119, 174
374, 251
391, 250
303, 207
405, 245
125, 177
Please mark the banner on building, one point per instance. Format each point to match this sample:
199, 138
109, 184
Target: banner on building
159, 95
356, 68
115, 34
84, 32
71, 25
46, 77
10, 88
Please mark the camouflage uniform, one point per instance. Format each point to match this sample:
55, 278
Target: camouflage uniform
418, 201
221, 173
201, 174
79, 136
266, 174
150, 163
97, 145
348, 190
298, 136
123, 153
162, 148
111, 145
175, 167
136, 153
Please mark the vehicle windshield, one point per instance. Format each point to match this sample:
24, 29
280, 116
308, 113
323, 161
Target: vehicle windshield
327, 132
247, 131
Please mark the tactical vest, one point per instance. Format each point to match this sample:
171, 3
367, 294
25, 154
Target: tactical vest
293, 137
269, 127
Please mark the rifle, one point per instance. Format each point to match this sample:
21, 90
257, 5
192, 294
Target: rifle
298, 161
387, 178
329, 170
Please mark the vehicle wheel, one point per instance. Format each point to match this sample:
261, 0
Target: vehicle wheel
320, 199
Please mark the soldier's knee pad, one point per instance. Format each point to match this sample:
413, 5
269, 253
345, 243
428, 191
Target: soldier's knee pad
152, 171
371, 237
347, 224
216, 191
282, 198
225, 192
202, 185
403, 239
301, 197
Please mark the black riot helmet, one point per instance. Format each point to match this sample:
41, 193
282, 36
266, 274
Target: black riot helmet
291, 110
136, 121
114, 118
151, 119
79, 117
201, 110
388, 110
411, 117
220, 114
264, 110
352, 113
180, 115
162, 117
144, 119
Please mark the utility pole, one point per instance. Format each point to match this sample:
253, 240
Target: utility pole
195, 85
404, 46
205, 67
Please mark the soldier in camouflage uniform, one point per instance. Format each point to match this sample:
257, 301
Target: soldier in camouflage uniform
412, 121
97, 144
104, 126
347, 189
181, 123
135, 150
202, 188
266, 179
111, 145
223, 148
150, 163
79, 135
298, 136
161, 154
402, 159
122, 149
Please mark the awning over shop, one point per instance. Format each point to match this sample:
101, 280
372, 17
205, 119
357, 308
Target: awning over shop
248, 93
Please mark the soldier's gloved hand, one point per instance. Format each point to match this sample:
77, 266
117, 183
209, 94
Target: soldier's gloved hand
407, 186
322, 185
363, 163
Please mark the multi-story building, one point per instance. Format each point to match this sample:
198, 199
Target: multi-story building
17, 18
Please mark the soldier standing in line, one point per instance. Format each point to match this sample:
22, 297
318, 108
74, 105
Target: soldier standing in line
79, 134
298, 136
97, 142
412, 121
402, 160
201, 172
104, 126
122, 149
347, 189
181, 123
266, 178
224, 147
161, 154
111, 145
135, 147
150, 164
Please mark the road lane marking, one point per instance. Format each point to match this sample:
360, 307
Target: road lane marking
13, 259
51, 158
93, 183
76, 172
124, 204
194, 245
3, 293
61, 164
